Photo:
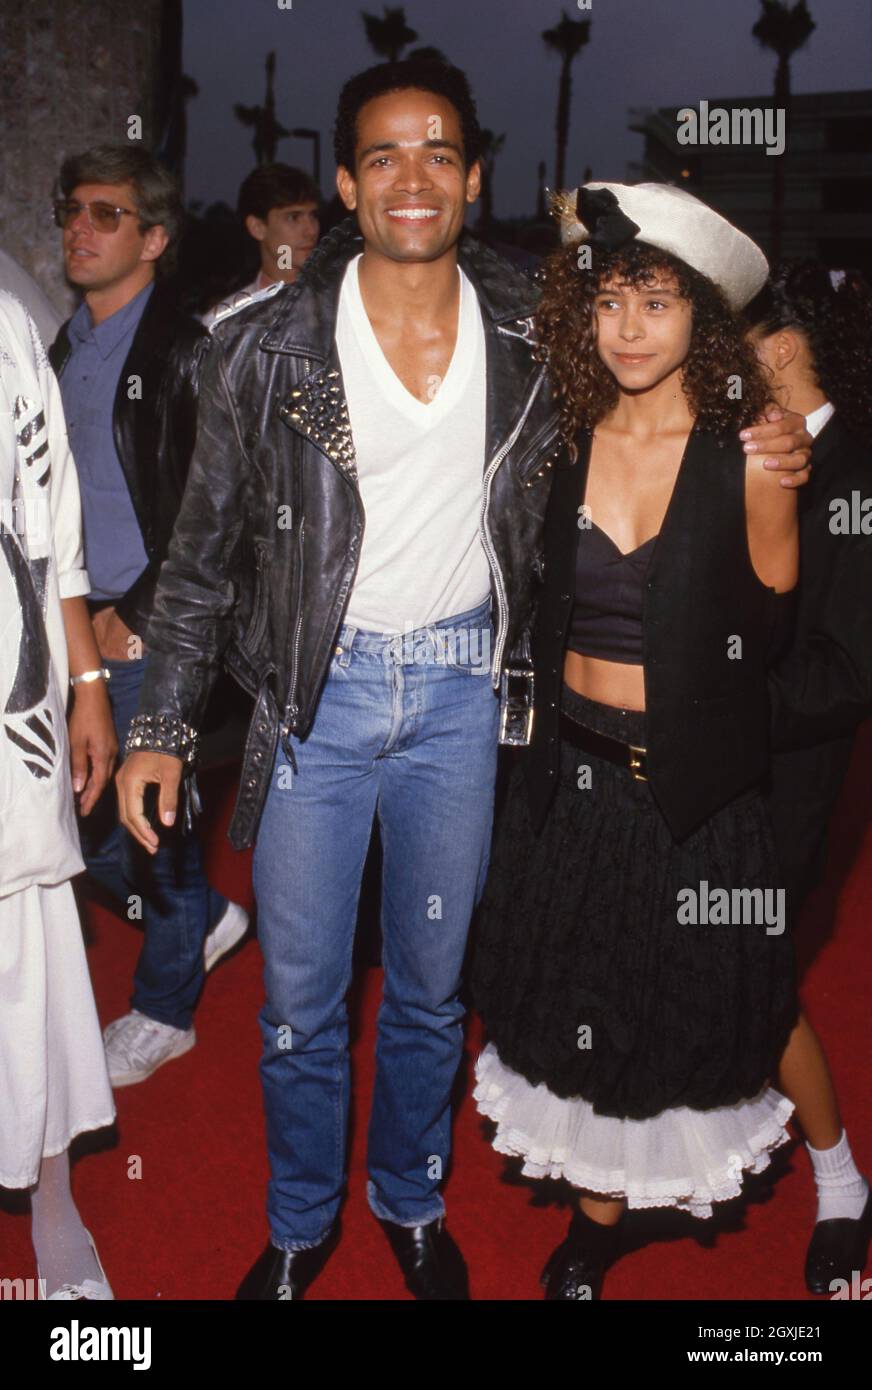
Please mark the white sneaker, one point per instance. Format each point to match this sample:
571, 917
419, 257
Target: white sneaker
89, 1288
227, 931
137, 1045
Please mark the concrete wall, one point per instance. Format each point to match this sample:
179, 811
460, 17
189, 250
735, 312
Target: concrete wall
71, 73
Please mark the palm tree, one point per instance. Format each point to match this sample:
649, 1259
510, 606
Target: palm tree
389, 35
491, 146
783, 28
567, 39
267, 129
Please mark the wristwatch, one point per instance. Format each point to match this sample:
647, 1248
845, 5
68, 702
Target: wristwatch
101, 674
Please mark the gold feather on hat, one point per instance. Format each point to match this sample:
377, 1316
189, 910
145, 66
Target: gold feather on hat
563, 210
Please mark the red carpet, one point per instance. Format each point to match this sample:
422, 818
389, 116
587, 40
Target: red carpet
192, 1223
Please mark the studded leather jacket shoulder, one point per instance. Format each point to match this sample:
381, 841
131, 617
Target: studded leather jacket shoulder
267, 542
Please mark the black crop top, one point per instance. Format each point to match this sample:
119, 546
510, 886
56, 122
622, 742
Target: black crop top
606, 617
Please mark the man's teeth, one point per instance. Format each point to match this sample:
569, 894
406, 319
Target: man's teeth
416, 214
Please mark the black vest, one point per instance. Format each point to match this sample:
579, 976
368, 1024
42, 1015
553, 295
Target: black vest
707, 707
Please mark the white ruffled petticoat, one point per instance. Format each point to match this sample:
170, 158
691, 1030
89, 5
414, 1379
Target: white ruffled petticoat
682, 1158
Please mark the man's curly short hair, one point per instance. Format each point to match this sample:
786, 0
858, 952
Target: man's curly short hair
423, 75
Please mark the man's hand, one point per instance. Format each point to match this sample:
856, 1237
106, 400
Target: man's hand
137, 772
784, 442
93, 744
114, 639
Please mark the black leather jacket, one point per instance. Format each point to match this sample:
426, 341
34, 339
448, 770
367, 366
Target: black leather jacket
154, 435
266, 547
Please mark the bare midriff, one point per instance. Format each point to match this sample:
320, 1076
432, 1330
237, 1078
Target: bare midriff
607, 682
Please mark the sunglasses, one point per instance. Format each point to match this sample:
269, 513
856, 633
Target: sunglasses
103, 217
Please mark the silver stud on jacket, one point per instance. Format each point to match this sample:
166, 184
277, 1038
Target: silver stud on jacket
320, 412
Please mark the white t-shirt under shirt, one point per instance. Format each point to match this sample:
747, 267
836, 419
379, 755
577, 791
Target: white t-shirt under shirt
815, 422
420, 469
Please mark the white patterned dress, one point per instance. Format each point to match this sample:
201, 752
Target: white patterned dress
53, 1080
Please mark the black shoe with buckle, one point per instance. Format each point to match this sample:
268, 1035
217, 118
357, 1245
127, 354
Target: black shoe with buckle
575, 1271
430, 1260
286, 1274
838, 1248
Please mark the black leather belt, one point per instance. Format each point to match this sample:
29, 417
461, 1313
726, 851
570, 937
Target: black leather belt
625, 755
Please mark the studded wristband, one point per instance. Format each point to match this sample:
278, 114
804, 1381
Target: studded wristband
162, 733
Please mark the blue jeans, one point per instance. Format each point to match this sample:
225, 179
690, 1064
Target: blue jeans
177, 905
406, 729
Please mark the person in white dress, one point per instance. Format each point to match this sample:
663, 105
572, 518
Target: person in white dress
53, 1079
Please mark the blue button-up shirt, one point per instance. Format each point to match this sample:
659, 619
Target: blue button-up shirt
115, 555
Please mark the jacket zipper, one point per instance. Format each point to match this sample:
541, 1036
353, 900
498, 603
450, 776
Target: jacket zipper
487, 539
291, 710
258, 621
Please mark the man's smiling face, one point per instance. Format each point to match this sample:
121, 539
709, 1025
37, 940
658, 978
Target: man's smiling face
410, 187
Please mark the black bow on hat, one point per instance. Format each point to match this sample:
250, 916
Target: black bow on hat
600, 212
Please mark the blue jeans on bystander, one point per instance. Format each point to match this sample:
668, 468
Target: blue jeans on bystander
178, 908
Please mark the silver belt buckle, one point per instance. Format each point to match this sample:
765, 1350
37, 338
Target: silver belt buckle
516, 705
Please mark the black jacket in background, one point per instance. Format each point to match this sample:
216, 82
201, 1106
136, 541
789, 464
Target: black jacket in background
154, 436
821, 689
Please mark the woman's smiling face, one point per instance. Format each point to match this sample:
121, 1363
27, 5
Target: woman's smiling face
643, 331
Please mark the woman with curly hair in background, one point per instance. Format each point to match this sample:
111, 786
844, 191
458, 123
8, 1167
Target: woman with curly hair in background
812, 331
633, 1025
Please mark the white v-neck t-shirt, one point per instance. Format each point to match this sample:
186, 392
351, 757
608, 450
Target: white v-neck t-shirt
420, 469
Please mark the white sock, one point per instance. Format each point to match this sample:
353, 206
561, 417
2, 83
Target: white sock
841, 1188
59, 1238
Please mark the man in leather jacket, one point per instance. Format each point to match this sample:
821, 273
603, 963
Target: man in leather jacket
129, 365
304, 423
268, 560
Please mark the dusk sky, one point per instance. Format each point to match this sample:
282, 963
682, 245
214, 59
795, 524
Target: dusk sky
641, 53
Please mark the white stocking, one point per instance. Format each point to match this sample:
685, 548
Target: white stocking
59, 1238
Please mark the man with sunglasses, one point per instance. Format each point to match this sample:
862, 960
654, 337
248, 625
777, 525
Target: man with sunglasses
129, 365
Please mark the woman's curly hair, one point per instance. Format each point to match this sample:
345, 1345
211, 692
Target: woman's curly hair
722, 380
834, 312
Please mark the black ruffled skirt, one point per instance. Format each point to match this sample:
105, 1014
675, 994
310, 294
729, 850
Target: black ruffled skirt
585, 976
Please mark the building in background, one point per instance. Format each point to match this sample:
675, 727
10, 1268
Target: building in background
828, 205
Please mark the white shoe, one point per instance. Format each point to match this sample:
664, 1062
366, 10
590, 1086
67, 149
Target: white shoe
228, 930
137, 1045
89, 1288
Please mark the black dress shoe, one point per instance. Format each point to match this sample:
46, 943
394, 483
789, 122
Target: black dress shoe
286, 1274
837, 1248
430, 1260
575, 1271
